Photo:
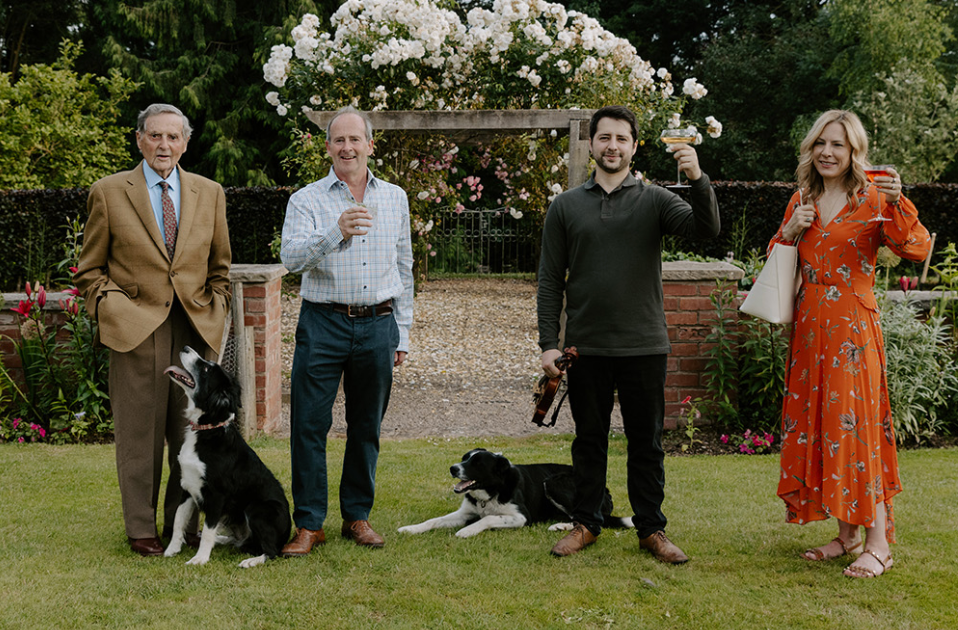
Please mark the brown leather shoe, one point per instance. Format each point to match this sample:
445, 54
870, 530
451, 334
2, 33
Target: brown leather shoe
303, 542
147, 546
362, 533
663, 549
575, 541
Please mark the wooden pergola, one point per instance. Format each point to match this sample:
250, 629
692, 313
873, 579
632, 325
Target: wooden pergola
479, 124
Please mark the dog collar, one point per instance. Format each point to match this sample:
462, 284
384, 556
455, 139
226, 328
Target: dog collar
204, 427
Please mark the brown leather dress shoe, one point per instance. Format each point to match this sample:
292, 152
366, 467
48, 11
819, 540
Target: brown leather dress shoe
663, 549
147, 546
303, 542
575, 541
362, 533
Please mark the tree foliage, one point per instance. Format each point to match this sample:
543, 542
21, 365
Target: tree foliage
205, 57
59, 129
875, 36
31, 31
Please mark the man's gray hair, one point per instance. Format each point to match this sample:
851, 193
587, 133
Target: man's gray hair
162, 108
349, 109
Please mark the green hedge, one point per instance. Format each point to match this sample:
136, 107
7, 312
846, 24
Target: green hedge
32, 222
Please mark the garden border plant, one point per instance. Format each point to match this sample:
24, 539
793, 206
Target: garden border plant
63, 396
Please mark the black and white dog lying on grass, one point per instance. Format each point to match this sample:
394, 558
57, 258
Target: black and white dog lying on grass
500, 495
221, 475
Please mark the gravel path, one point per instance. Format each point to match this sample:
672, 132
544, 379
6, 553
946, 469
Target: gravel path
472, 366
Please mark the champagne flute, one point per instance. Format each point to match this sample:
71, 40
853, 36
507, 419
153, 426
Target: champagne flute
678, 136
871, 173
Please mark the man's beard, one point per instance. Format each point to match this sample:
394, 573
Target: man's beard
623, 165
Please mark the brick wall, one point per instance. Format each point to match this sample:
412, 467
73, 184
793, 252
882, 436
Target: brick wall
689, 313
261, 286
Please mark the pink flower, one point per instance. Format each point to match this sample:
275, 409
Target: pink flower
43, 432
41, 296
687, 399
20, 440
72, 291
27, 290
74, 270
16, 422
724, 439
769, 438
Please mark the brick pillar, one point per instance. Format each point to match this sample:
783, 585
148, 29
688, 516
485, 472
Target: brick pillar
689, 314
262, 312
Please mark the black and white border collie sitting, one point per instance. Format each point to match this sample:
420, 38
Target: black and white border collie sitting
220, 474
500, 495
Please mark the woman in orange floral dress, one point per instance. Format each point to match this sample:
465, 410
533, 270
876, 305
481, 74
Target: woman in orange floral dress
838, 441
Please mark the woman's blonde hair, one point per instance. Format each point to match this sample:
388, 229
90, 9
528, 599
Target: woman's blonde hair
808, 176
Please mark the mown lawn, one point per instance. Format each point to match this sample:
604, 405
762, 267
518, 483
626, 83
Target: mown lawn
64, 562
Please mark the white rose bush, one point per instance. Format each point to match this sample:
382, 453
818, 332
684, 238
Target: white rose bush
422, 55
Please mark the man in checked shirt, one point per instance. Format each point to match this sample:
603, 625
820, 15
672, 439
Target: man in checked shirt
348, 234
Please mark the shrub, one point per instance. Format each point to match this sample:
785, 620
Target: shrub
921, 374
59, 129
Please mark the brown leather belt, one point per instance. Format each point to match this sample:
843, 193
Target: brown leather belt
350, 310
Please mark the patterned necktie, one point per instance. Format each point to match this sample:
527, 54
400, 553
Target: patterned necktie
169, 219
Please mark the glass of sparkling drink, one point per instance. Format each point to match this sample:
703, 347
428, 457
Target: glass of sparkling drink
878, 170
677, 136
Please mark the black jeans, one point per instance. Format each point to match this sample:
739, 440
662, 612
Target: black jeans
640, 381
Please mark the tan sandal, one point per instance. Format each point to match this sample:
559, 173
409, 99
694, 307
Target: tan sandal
854, 550
864, 572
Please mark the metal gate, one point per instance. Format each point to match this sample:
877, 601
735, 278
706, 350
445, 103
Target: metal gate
484, 241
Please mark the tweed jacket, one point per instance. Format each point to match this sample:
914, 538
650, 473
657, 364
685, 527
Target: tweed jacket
125, 274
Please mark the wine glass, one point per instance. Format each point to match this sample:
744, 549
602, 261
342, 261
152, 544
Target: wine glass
678, 136
871, 173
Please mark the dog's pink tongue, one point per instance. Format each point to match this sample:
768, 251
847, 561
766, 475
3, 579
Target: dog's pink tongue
462, 486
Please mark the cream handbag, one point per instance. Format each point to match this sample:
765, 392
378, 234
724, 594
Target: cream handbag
772, 297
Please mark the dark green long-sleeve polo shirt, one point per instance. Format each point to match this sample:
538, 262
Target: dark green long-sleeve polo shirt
604, 252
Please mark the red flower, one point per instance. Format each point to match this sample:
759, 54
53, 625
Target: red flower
72, 291
73, 270
25, 307
27, 290
41, 296
687, 399
907, 283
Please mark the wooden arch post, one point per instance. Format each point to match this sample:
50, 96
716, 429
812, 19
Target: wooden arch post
475, 124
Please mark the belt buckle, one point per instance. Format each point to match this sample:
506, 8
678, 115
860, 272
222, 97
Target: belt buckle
349, 311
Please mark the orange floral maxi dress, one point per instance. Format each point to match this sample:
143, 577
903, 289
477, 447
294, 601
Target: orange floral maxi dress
838, 454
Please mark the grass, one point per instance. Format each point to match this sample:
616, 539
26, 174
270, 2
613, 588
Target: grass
64, 561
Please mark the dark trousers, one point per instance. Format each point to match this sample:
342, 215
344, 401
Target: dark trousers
640, 382
148, 412
359, 351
